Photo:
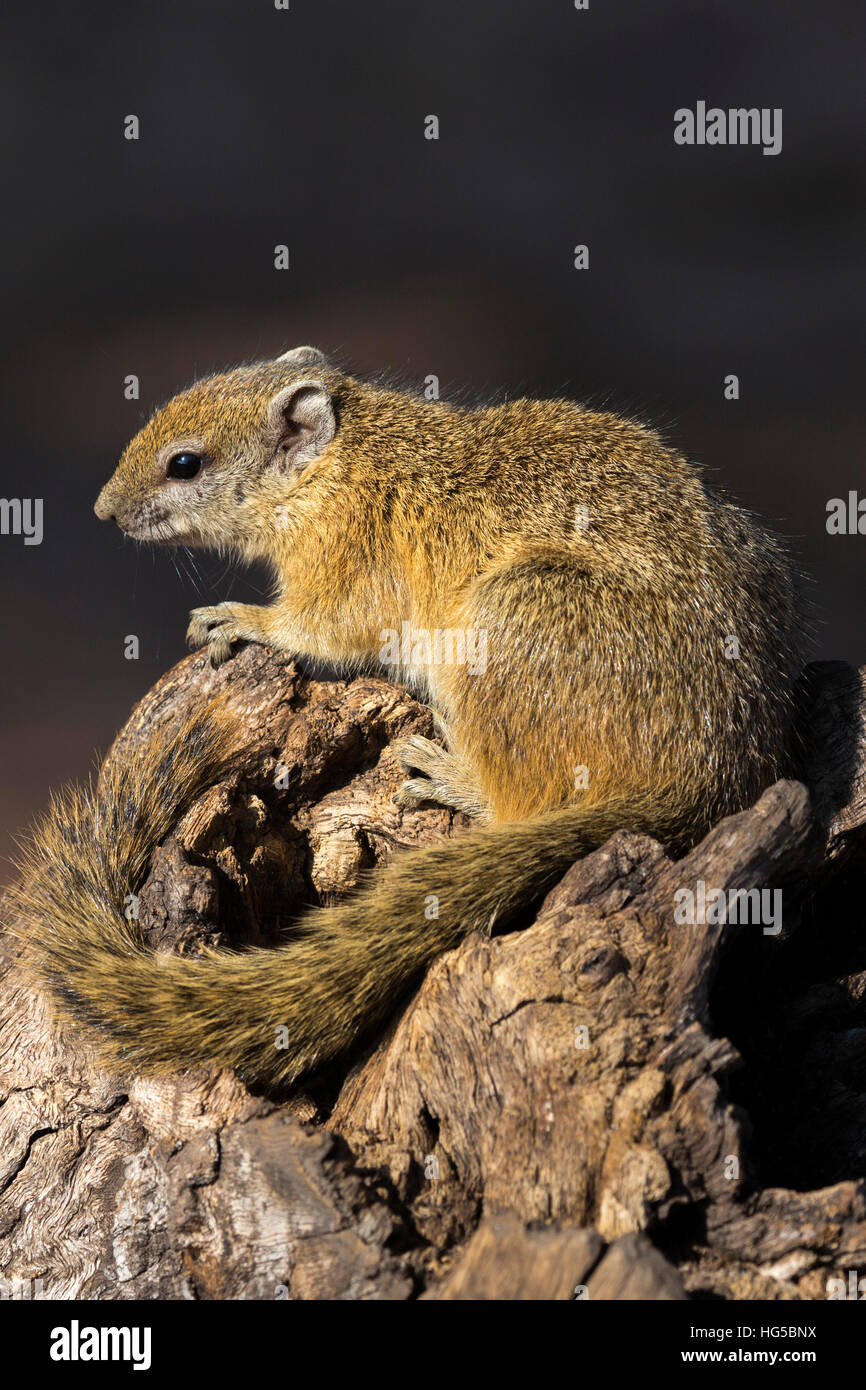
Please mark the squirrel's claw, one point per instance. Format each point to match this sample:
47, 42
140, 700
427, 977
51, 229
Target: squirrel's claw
417, 754
218, 628
444, 779
412, 793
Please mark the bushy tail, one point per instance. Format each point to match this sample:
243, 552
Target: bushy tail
157, 1013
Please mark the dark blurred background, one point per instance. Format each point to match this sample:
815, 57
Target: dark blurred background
306, 127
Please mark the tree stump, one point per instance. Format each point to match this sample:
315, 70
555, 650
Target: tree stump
609, 1102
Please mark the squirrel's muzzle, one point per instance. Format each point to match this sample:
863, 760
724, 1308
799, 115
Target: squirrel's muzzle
109, 507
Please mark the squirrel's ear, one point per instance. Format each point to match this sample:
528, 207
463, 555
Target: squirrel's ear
301, 422
303, 357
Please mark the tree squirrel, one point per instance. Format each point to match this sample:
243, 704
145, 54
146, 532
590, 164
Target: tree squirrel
642, 638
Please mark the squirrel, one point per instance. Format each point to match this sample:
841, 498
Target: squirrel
641, 635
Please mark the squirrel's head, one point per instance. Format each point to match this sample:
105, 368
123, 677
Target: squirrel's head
194, 474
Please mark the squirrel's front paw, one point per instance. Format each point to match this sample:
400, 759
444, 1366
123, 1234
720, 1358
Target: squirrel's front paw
218, 628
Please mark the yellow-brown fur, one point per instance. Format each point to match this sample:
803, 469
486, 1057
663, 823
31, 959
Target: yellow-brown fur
607, 578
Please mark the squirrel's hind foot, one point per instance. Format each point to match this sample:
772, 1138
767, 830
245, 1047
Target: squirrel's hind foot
446, 778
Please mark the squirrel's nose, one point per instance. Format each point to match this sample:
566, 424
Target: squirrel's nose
103, 508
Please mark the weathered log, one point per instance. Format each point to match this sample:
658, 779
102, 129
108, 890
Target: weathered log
602, 1103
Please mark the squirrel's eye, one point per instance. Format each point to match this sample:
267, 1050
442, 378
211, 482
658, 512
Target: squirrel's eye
183, 466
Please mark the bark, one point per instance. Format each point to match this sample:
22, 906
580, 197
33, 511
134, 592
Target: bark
605, 1103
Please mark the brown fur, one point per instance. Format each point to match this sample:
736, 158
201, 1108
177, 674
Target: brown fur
605, 649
